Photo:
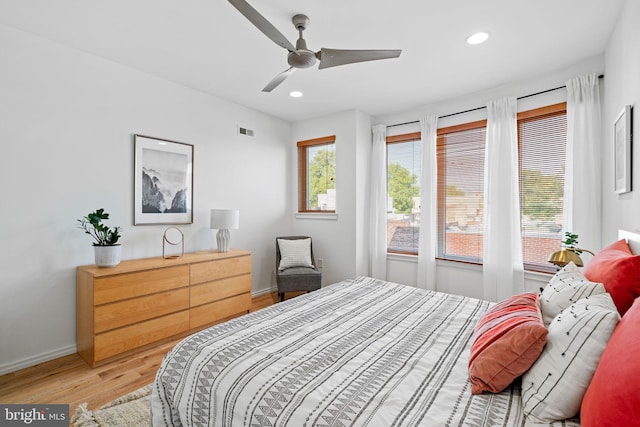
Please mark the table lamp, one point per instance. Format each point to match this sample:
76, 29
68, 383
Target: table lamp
223, 220
565, 256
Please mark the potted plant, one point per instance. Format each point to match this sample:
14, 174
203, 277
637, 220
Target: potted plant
106, 247
570, 241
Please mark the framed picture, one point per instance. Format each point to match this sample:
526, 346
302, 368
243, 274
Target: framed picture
622, 151
163, 172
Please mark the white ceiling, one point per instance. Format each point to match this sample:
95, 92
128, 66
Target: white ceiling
209, 46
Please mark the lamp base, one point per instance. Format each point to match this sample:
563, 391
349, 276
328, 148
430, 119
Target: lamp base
223, 237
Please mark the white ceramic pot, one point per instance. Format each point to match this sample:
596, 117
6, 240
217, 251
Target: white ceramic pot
107, 256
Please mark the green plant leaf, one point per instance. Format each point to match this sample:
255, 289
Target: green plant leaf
102, 234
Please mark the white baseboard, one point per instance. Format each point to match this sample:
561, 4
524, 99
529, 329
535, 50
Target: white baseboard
34, 360
264, 291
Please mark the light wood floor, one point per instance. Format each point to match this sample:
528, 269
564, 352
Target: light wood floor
70, 380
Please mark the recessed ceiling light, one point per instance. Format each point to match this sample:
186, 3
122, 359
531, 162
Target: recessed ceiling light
295, 94
477, 38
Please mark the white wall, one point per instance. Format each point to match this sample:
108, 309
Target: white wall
335, 237
622, 88
458, 278
67, 121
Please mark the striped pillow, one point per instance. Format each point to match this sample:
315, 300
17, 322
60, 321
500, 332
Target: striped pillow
506, 342
566, 287
554, 386
294, 253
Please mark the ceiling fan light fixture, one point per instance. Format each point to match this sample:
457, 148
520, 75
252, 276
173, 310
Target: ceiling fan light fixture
295, 94
477, 38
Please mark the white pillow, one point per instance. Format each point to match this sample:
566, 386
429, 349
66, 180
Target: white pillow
294, 253
553, 388
566, 287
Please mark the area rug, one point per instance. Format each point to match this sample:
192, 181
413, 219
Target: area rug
130, 410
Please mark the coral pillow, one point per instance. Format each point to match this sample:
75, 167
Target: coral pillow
506, 342
619, 271
613, 397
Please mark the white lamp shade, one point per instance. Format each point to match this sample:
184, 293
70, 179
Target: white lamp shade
225, 219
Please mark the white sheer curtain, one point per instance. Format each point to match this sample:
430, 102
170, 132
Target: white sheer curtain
378, 204
427, 244
503, 272
582, 185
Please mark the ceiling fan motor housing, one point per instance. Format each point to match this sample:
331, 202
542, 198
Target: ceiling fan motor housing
301, 59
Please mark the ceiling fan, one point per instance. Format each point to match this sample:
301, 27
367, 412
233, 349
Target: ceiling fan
301, 57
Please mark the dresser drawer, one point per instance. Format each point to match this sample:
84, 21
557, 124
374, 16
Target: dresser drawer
219, 269
131, 285
120, 340
209, 313
127, 312
220, 289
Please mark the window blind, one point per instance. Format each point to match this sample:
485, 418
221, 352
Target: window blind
460, 155
542, 141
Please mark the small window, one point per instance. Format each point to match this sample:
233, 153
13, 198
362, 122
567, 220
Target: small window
317, 175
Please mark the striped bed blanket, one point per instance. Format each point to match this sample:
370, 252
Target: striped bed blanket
362, 352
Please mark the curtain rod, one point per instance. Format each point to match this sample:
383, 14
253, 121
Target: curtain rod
483, 107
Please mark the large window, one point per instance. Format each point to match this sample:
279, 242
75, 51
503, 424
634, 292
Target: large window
542, 136
460, 158
317, 175
460, 155
542, 140
404, 168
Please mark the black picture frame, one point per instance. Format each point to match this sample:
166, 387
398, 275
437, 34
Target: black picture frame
163, 181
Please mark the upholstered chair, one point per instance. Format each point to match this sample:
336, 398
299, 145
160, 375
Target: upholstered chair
296, 268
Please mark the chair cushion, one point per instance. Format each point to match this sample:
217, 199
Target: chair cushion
296, 279
299, 271
294, 253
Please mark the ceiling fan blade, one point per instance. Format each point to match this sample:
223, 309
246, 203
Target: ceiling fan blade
262, 24
333, 57
278, 79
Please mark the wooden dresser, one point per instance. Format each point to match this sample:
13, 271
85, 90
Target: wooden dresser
143, 301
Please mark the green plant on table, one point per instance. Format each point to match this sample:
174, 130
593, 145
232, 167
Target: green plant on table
571, 241
102, 234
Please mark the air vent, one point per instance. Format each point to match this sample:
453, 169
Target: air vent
245, 131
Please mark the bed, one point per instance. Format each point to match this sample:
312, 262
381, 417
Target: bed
361, 352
